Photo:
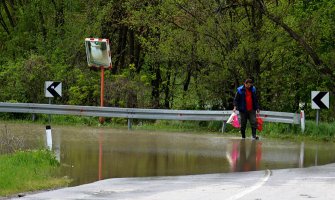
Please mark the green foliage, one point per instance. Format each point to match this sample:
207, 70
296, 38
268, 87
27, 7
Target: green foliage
71, 120
25, 80
170, 54
322, 132
85, 89
170, 125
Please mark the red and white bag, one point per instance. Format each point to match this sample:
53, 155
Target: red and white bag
235, 122
230, 119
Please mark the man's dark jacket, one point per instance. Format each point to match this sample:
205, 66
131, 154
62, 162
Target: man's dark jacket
240, 102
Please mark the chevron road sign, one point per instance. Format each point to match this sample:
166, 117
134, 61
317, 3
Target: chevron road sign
53, 89
320, 100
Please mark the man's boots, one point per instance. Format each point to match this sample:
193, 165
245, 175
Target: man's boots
254, 136
243, 134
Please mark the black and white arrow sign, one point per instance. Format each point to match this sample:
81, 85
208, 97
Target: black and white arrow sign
320, 100
53, 89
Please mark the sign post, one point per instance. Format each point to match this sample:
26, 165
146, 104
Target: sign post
98, 55
51, 89
320, 100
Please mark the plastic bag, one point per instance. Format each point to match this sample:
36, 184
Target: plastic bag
230, 119
259, 123
235, 122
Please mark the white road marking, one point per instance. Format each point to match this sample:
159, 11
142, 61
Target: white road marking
254, 187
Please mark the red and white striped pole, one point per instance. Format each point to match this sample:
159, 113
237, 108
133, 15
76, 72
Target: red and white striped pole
48, 137
302, 120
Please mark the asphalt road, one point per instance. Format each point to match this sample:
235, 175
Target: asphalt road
303, 183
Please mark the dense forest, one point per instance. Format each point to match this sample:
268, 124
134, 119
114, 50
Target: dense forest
172, 54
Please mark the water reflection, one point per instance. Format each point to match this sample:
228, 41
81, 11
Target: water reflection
89, 154
100, 155
245, 155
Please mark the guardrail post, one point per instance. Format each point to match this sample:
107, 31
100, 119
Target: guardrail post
302, 120
223, 128
129, 123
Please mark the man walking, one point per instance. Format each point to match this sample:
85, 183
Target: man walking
246, 103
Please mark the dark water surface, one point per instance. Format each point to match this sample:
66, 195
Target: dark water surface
88, 154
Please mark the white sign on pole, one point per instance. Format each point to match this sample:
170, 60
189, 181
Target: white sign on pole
53, 89
320, 100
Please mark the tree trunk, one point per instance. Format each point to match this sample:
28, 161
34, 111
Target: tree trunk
155, 83
124, 44
59, 18
134, 50
188, 79
3, 24
121, 49
43, 29
131, 46
167, 86
10, 18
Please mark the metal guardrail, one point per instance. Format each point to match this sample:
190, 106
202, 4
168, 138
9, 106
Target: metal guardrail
138, 113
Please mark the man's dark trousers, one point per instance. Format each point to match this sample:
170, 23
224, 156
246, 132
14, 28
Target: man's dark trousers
251, 116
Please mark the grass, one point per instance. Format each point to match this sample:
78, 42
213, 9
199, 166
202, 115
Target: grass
26, 171
323, 132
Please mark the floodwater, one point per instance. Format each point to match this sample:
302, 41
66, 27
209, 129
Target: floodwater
88, 154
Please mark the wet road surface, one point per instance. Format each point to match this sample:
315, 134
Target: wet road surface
299, 183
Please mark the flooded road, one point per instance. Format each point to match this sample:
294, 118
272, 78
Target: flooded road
88, 154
